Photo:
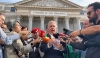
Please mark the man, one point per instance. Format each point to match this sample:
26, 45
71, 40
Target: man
35, 53
3, 37
86, 24
92, 42
94, 16
3, 26
53, 48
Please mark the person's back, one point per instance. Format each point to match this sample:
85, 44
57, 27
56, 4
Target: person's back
9, 51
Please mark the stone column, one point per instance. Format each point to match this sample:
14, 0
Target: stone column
56, 20
42, 22
67, 22
18, 18
3, 7
78, 23
30, 22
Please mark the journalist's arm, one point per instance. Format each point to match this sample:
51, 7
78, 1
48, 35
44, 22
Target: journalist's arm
8, 39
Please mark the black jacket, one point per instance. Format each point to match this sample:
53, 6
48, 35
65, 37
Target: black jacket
91, 43
35, 54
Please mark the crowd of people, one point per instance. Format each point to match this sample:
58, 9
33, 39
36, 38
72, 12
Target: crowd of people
19, 44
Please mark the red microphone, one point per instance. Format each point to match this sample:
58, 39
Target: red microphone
43, 35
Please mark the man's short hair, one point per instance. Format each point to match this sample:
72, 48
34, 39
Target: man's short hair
23, 27
96, 5
51, 22
11, 24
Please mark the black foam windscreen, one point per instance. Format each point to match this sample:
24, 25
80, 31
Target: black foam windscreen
56, 35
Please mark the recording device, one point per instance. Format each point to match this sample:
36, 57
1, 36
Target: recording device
66, 31
61, 35
56, 35
16, 52
30, 39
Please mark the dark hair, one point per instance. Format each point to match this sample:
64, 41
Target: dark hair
23, 27
1, 14
11, 24
96, 5
46, 26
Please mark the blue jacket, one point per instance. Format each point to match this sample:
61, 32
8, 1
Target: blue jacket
7, 39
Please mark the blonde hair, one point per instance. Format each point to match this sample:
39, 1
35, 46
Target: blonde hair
52, 21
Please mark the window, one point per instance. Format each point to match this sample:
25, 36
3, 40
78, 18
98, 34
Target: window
7, 8
81, 23
13, 9
0, 7
82, 12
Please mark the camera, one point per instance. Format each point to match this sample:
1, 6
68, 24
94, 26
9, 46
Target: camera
30, 39
66, 31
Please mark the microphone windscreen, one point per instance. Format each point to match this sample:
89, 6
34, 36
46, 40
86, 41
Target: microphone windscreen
56, 35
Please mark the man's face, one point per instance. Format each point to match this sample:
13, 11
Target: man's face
86, 24
35, 35
4, 27
92, 14
2, 19
17, 27
25, 37
52, 28
25, 29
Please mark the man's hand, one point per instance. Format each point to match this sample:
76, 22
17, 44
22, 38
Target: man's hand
1, 42
61, 39
75, 33
20, 53
36, 40
59, 46
67, 41
24, 32
50, 42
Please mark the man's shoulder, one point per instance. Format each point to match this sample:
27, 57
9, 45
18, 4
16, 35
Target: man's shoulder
11, 33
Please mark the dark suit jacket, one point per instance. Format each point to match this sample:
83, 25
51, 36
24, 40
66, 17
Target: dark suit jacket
91, 43
35, 54
51, 52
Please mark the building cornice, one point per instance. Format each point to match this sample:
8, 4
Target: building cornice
66, 1
69, 2
43, 7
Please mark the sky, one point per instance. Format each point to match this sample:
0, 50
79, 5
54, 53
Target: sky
79, 2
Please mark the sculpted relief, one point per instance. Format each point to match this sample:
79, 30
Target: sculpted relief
52, 3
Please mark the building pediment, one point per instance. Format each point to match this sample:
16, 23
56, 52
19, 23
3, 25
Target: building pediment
48, 3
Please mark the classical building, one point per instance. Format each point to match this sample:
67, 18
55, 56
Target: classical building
37, 13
